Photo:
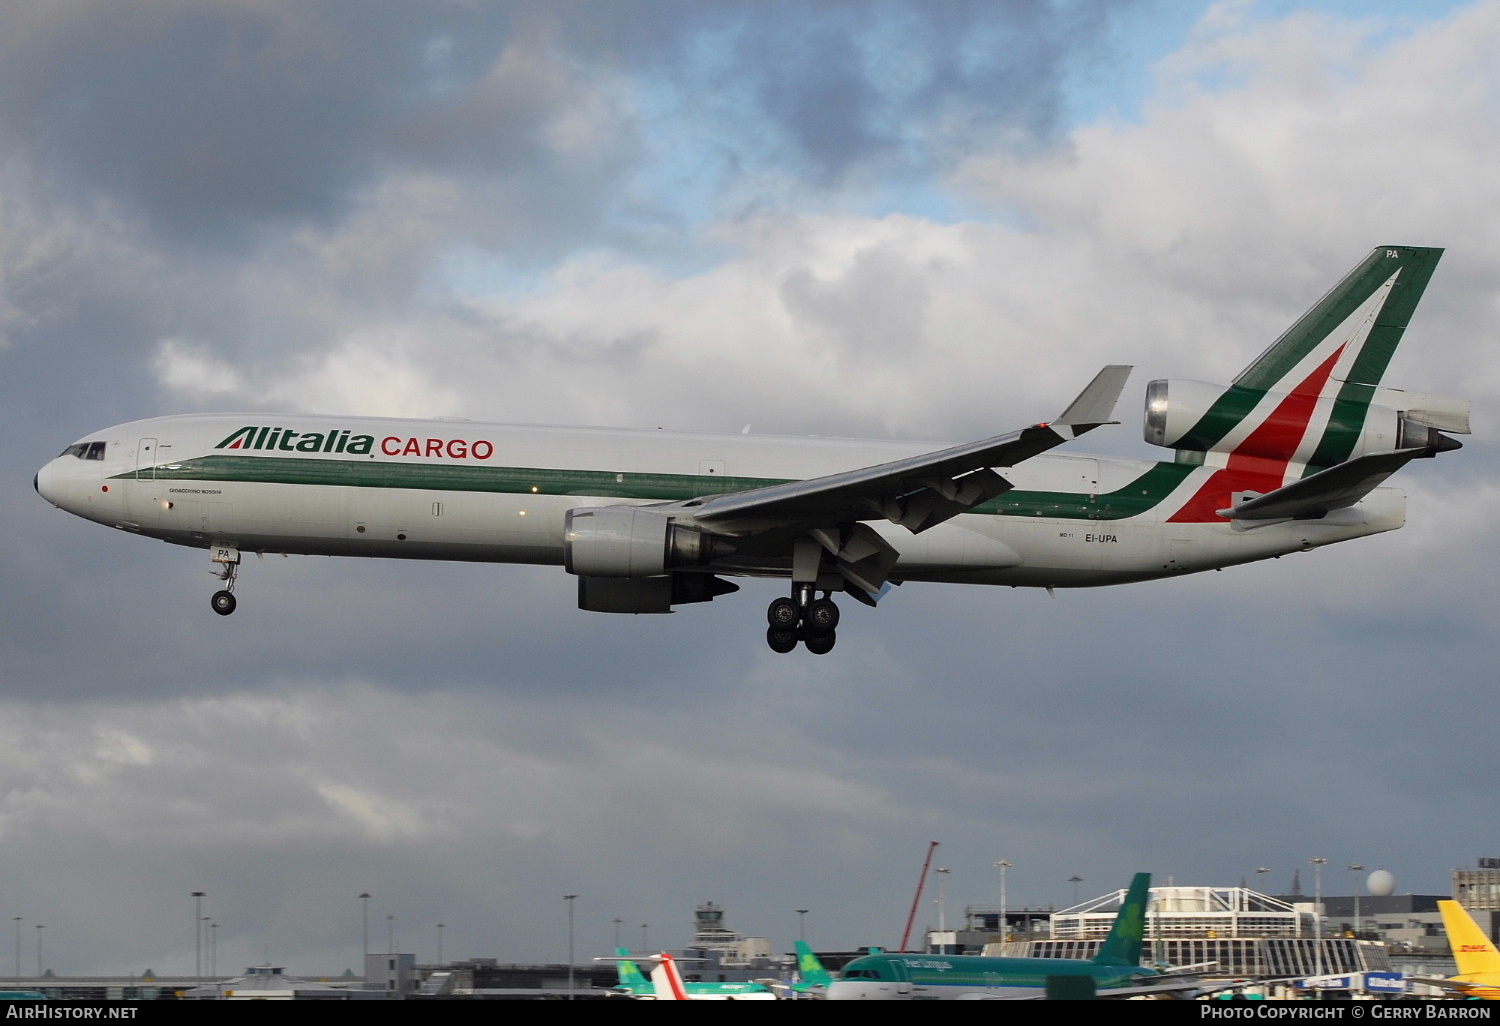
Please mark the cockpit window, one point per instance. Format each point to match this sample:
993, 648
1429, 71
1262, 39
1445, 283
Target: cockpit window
85, 450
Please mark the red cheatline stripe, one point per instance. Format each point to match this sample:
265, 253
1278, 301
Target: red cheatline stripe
1258, 464
673, 979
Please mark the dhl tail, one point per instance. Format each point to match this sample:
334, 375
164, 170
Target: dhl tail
1472, 950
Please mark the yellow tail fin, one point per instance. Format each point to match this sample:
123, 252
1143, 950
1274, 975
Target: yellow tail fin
1472, 950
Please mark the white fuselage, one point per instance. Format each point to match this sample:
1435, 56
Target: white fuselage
460, 490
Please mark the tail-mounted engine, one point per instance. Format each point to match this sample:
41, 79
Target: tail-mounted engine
1197, 417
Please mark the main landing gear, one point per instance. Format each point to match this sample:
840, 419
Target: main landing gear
223, 601
802, 618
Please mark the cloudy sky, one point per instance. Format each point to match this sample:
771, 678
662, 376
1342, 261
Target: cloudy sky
925, 220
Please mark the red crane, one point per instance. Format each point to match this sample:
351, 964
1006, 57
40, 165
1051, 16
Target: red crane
915, 901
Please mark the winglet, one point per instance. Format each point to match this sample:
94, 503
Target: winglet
1095, 405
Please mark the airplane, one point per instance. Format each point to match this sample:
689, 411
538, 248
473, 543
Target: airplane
1114, 972
1288, 457
1476, 955
666, 983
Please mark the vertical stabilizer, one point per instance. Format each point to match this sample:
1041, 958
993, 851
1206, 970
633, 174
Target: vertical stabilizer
1472, 950
810, 971
667, 980
630, 975
1335, 353
1123, 945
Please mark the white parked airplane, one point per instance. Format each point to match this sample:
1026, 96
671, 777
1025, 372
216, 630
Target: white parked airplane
1288, 457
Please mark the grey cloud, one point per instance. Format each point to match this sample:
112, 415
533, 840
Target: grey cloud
217, 122
851, 83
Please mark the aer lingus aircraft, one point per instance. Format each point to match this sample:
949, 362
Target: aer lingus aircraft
1288, 457
1116, 971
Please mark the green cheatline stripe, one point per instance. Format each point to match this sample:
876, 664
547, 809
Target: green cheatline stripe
1268, 371
1135, 498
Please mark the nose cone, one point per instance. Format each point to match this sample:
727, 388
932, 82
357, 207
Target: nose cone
45, 483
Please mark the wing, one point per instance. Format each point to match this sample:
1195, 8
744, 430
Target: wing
918, 492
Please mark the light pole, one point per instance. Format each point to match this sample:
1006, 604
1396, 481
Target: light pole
39, 929
1356, 870
1002, 865
1075, 880
617, 922
17, 920
213, 950
390, 935
645, 944
1318, 864
942, 898
440, 944
569, 899
198, 941
365, 901
802, 924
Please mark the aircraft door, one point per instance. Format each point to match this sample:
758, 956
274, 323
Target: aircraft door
145, 460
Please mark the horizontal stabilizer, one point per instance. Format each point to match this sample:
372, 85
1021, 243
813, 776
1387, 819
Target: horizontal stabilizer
1335, 488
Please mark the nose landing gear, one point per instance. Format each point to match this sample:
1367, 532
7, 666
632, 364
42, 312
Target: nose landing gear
223, 601
802, 618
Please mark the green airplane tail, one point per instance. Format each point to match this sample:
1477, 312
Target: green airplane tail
1123, 945
630, 975
809, 970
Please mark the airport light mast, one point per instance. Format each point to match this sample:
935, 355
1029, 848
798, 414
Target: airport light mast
1318, 864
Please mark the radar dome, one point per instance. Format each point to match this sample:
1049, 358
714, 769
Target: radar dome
1380, 883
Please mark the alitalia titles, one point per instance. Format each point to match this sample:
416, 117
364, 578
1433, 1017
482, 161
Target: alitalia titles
338, 441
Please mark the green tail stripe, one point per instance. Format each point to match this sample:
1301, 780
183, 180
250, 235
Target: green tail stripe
1339, 440
1123, 945
1416, 266
1270, 369
1133, 499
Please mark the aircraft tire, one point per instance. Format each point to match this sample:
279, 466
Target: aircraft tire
781, 639
822, 617
223, 603
820, 644
783, 614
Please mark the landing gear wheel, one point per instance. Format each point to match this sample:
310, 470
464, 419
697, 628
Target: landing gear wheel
783, 614
820, 644
223, 603
781, 639
822, 617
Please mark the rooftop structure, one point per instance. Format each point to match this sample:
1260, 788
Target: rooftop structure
1478, 888
1190, 912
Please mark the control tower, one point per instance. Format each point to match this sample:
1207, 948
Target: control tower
712, 937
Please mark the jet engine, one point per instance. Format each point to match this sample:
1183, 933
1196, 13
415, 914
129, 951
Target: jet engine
627, 541
1196, 416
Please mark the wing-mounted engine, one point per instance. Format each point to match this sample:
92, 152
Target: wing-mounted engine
1361, 420
633, 560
